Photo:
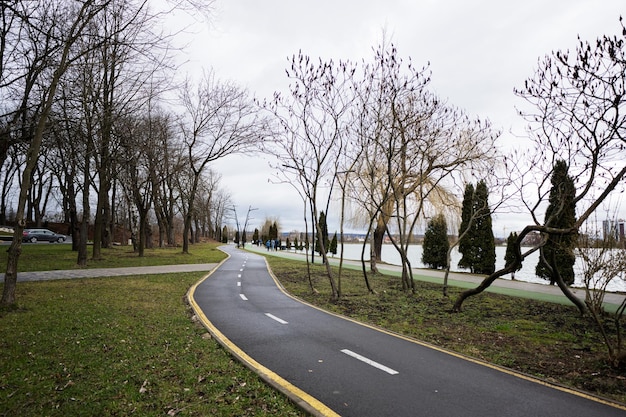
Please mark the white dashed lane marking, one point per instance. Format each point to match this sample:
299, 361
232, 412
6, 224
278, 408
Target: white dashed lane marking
370, 362
243, 297
273, 317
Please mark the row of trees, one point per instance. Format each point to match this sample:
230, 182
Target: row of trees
84, 124
377, 139
578, 125
476, 240
376, 134
83, 118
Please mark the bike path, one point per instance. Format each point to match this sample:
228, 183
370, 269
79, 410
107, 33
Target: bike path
334, 366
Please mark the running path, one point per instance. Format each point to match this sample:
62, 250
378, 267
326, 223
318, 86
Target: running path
110, 272
515, 288
333, 366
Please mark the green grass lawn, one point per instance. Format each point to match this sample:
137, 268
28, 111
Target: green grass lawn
118, 347
128, 345
54, 256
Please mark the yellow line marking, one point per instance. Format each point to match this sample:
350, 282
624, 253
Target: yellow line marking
302, 399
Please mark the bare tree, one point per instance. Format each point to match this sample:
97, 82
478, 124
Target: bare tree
42, 182
69, 148
170, 156
66, 24
10, 173
367, 192
104, 84
131, 55
347, 164
602, 264
578, 117
209, 209
312, 126
220, 201
85, 131
40, 42
139, 148
419, 148
369, 130
23, 51
219, 119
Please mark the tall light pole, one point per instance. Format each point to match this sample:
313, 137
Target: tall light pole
242, 234
245, 225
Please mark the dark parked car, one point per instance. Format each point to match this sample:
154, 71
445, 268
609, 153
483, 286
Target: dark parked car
34, 235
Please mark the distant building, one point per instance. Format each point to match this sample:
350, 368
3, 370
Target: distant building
614, 229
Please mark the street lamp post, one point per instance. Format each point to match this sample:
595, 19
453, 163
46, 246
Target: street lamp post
242, 234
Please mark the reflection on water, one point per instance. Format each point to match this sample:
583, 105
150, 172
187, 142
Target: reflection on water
527, 273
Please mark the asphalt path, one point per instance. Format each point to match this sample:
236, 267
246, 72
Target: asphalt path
334, 366
109, 272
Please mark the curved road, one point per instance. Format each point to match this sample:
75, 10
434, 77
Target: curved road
332, 366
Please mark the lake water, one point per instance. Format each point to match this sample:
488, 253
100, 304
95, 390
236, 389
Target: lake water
527, 273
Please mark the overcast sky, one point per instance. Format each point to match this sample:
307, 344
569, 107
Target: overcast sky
478, 52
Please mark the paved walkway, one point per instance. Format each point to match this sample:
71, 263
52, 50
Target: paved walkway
111, 272
465, 280
333, 366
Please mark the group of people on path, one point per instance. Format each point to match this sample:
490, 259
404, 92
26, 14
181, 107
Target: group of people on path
272, 244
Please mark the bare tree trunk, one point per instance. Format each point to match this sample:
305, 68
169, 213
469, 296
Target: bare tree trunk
83, 237
10, 276
320, 242
84, 223
377, 241
9, 174
143, 220
197, 230
486, 283
447, 273
74, 229
313, 231
15, 250
99, 222
161, 223
513, 266
171, 239
365, 277
374, 258
189, 214
556, 276
306, 254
